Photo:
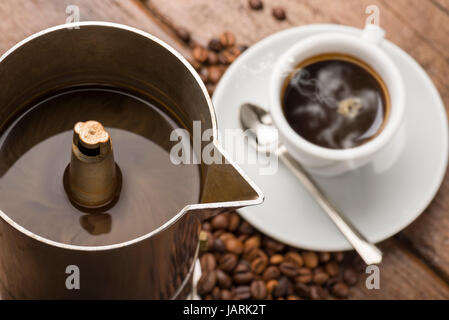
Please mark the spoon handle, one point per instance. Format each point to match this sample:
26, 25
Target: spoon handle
368, 251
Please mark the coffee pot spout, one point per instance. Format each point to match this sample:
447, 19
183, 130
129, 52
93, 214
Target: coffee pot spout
226, 187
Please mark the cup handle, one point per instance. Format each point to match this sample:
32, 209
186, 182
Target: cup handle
373, 34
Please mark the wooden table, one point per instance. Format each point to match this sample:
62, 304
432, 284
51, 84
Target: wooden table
416, 263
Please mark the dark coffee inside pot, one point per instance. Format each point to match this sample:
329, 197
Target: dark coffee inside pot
36, 148
335, 101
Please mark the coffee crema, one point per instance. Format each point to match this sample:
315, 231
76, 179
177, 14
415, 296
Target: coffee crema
335, 101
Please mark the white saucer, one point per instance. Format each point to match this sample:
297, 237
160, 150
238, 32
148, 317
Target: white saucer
381, 198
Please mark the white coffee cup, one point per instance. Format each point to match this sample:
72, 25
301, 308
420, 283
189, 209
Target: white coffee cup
326, 161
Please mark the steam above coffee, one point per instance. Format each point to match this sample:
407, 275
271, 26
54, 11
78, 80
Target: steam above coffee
335, 101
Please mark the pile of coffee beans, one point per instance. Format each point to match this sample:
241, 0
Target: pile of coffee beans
211, 62
241, 263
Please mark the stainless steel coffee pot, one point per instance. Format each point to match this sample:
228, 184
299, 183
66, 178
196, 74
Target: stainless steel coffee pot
159, 264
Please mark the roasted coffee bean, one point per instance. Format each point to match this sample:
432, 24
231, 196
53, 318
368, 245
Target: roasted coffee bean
320, 277
222, 59
259, 264
338, 256
197, 66
258, 289
216, 293
245, 228
207, 226
330, 283
242, 48
271, 284
304, 275
227, 39
295, 257
208, 297
252, 243
242, 266
226, 295
215, 45
279, 13
234, 245
255, 4
272, 272
288, 268
212, 58
228, 262
225, 236
276, 259
324, 256
184, 34
231, 54
274, 245
211, 89
310, 259
243, 277
250, 254
218, 233
200, 54
217, 256
350, 277
234, 218
219, 245
340, 290
220, 221
331, 268
243, 238
208, 262
290, 287
204, 74
224, 281
214, 75
242, 293
302, 290
281, 288
207, 282
210, 242
317, 293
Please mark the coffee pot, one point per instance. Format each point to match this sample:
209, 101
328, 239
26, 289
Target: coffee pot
159, 264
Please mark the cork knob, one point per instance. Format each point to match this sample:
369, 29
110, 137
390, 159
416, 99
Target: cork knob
92, 179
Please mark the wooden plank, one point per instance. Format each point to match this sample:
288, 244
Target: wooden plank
402, 276
429, 234
443, 5
427, 21
21, 18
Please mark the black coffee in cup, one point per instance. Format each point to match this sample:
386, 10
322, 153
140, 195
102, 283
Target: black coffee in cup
335, 101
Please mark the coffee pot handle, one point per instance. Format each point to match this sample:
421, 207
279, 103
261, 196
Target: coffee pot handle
373, 34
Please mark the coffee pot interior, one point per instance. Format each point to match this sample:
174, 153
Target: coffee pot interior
109, 56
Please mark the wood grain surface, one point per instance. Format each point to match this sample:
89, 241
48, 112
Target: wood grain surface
416, 263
